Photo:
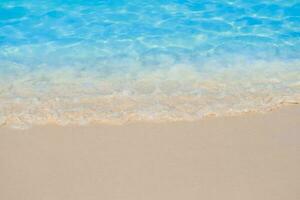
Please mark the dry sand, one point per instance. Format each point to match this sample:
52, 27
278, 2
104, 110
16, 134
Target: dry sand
251, 157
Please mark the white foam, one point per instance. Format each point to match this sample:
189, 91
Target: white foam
181, 92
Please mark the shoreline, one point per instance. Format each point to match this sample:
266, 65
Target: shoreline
253, 156
18, 124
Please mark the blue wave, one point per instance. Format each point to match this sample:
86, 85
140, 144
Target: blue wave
69, 50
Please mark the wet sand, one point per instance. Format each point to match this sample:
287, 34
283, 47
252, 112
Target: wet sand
250, 157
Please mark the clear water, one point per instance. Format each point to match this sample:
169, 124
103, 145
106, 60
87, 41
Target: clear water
113, 61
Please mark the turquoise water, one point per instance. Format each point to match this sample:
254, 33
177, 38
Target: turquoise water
113, 61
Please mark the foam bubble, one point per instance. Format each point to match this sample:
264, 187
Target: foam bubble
181, 92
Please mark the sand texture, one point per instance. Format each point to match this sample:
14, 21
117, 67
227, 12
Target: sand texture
250, 157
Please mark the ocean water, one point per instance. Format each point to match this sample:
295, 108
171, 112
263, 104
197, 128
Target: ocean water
114, 61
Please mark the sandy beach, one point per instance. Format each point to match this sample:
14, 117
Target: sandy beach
149, 100
249, 157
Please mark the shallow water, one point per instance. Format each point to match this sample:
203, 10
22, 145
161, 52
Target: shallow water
76, 61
